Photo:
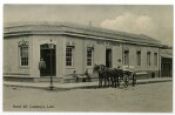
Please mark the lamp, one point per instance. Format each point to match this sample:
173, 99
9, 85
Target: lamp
51, 46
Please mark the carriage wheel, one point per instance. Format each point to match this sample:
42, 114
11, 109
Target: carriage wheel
126, 84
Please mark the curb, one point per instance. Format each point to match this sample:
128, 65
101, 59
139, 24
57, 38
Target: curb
79, 87
145, 82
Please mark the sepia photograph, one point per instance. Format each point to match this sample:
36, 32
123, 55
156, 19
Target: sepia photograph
87, 58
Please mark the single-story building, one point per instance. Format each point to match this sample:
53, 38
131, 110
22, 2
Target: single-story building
67, 47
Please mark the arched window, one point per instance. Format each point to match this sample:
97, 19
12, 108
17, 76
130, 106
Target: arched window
138, 58
155, 59
126, 57
24, 53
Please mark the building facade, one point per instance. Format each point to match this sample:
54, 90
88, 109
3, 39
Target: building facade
69, 47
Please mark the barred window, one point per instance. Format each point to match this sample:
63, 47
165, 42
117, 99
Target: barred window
126, 57
69, 56
138, 58
148, 58
89, 56
24, 56
155, 59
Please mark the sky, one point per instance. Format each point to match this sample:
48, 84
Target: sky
152, 20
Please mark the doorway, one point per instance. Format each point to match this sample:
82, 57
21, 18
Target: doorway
166, 67
49, 56
109, 58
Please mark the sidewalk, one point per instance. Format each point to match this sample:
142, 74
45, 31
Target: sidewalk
73, 85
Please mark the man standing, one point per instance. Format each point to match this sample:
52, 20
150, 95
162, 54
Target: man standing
42, 66
133, 79
88, 78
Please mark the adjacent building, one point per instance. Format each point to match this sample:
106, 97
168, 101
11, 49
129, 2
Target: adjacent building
166, 61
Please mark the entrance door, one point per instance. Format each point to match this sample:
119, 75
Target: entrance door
166, 67
108, 58
49, 56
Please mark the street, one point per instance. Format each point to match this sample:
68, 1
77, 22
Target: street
153, 97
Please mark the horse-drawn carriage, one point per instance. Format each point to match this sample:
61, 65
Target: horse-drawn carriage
115, 77
128, 76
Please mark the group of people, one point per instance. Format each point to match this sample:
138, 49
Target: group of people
86, 77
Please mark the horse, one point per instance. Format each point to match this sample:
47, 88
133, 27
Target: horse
110, 76
118, 74
101, 73
104, 75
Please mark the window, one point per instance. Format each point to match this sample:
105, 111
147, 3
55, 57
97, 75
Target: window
126, 57
155, 59
69, 56
138, 58
24, 55
89, 56
148, 58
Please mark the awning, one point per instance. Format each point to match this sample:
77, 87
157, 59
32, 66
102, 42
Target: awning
166, 55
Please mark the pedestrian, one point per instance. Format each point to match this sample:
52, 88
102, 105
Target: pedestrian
42, 66
75, 76
133, 79
87, 76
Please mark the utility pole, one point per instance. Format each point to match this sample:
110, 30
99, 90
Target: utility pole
51, 47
